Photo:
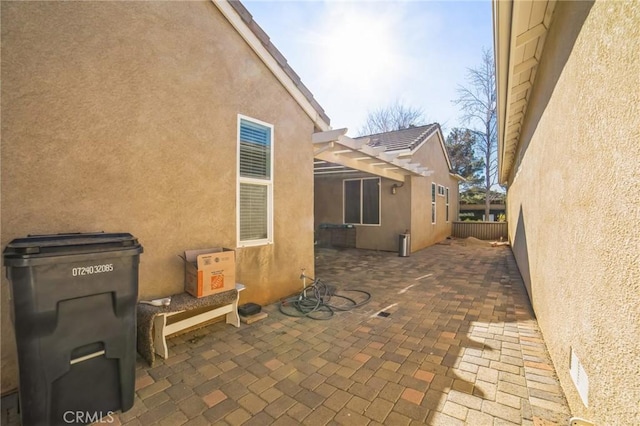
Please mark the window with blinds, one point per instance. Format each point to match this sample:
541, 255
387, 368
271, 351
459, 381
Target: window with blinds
253, 212
352, 206
255, 150
446, 200
255, 184
433, 203
362, 201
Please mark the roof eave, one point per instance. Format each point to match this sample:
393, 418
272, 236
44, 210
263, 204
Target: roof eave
501, 35
516, 26
457, 177
256, 38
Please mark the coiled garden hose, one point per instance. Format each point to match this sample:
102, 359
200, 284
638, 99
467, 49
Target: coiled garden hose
320, 301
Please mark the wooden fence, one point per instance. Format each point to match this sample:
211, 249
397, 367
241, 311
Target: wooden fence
480, 230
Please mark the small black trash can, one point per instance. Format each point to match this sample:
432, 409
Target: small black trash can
74, 312
404, 245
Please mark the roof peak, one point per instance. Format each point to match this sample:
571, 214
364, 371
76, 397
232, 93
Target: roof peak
411, 127
396, 140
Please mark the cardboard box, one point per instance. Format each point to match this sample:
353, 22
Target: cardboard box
209, 271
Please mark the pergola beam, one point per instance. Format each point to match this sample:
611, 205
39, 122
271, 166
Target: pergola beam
352, 163
328, 136
334, 146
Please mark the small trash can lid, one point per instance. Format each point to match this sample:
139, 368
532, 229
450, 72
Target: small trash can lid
61, 244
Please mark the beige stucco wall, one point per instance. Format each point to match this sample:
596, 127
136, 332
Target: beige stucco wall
395, 219
424, 233
573, 206
395, 215
122, 117
409, 208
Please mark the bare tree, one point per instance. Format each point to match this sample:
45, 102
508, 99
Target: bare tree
393, 117
478, 104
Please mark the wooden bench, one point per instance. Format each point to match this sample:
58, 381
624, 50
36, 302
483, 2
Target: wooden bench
157, 317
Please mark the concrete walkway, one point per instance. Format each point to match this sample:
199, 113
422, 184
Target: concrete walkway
460, 345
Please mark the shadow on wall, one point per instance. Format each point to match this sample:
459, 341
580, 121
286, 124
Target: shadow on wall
521, 252
558, 46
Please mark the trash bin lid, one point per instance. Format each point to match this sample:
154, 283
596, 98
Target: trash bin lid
61, 244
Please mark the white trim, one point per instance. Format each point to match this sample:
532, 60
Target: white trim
264, 182
162, 329
336, 172
444, 148
325, 168
447, 199
344, 196
434, 205
513, 27
255, 120
256, 45
457, 176
334, 147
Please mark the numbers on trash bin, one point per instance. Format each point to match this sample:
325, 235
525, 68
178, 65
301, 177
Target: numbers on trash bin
93, 269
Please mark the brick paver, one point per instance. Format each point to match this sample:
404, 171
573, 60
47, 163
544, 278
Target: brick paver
460, 346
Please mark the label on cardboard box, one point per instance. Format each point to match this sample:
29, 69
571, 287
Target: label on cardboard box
209, 271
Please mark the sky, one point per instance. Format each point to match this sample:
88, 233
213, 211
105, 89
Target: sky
358, 56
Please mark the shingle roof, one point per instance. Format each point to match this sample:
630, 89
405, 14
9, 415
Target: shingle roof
282, 61
409, 138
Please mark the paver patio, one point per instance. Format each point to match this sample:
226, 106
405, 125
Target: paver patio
460, 346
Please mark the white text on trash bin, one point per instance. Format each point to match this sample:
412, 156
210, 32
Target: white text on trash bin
93, 269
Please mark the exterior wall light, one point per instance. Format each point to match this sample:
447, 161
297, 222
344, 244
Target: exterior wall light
394, 188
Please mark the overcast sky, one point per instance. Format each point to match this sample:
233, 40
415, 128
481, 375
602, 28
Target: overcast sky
356, 56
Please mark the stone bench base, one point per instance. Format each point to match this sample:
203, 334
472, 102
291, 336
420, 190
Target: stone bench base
153, 327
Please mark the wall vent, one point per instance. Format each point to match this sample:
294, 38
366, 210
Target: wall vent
580, 378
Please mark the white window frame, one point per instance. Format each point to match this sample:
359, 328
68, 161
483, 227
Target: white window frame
434, 211
268, 183
441, 190
344, 196
446, 203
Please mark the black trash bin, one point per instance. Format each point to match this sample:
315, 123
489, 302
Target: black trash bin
74, 312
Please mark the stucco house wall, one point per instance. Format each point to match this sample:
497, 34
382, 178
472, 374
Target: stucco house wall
409, 208
424, 232
573, 204
123, 117
393, 220
329, 208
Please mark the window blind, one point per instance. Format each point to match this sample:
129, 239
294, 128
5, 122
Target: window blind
370, 201
255, 181
433, 203
447, 203
253, 211
352, 201
362, 201
255, 150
